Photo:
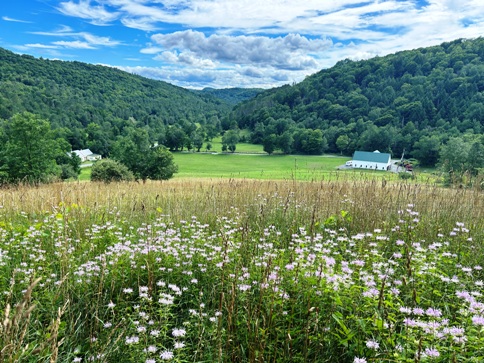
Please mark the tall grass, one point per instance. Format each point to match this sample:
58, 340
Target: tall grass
241, 271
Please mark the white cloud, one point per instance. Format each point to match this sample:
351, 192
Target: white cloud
340, 19
82, 40
96, 40
96, 15
151, 50
62, 31
41, 46
7, 18
144, 23
187, 58
76, 44
289, 52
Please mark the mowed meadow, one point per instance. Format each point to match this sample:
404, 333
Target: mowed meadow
240, 270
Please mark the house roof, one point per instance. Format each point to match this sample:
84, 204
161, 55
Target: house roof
83, 153
374, 157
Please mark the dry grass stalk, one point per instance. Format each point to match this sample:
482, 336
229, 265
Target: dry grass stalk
54, 333
14, 328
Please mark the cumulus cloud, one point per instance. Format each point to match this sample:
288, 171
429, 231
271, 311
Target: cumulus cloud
187, 58
289, 52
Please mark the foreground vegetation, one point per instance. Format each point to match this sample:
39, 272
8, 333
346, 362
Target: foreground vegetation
239, 271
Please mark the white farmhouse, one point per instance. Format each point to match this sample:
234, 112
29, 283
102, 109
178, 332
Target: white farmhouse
86, 155
371, 160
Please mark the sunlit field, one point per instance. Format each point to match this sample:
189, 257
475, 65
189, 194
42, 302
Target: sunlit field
231, 270
227, 165
279, 167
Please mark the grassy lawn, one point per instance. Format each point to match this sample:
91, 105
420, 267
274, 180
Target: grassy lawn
85, 174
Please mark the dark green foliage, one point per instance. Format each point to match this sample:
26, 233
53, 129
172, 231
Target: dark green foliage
159, 164
70, 165
269, 143
68, 172
462, 159
108, 171
405, 175
142, 159
427, 150
410, 101
175, 138
28, 151
232, 96
230, 140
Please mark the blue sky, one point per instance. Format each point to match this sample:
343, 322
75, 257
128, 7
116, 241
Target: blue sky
231, 43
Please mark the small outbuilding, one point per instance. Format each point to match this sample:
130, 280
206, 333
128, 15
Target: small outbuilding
371, 160
87, 155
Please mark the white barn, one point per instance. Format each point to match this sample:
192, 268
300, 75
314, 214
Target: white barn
371, 160
87, 155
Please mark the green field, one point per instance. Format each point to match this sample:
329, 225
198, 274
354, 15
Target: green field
256, 166
277, 167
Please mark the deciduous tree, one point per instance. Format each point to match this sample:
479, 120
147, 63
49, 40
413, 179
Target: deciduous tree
29, 150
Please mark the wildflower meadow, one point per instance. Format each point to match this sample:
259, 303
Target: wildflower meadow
241, 271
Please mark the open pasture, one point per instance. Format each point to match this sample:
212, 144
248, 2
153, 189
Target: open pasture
273, 167
231, 270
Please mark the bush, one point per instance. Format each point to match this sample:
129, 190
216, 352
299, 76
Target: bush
68, 172
108, 171
405, 175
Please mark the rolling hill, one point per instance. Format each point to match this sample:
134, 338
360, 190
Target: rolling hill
412, 101
72, 95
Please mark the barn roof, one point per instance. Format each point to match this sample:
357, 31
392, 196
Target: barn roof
374, 157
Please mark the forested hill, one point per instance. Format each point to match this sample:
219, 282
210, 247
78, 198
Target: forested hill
233, 96
73, 95
413, 100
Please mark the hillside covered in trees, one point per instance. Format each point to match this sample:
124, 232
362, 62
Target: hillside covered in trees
232, 96
91, 105
413, 101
